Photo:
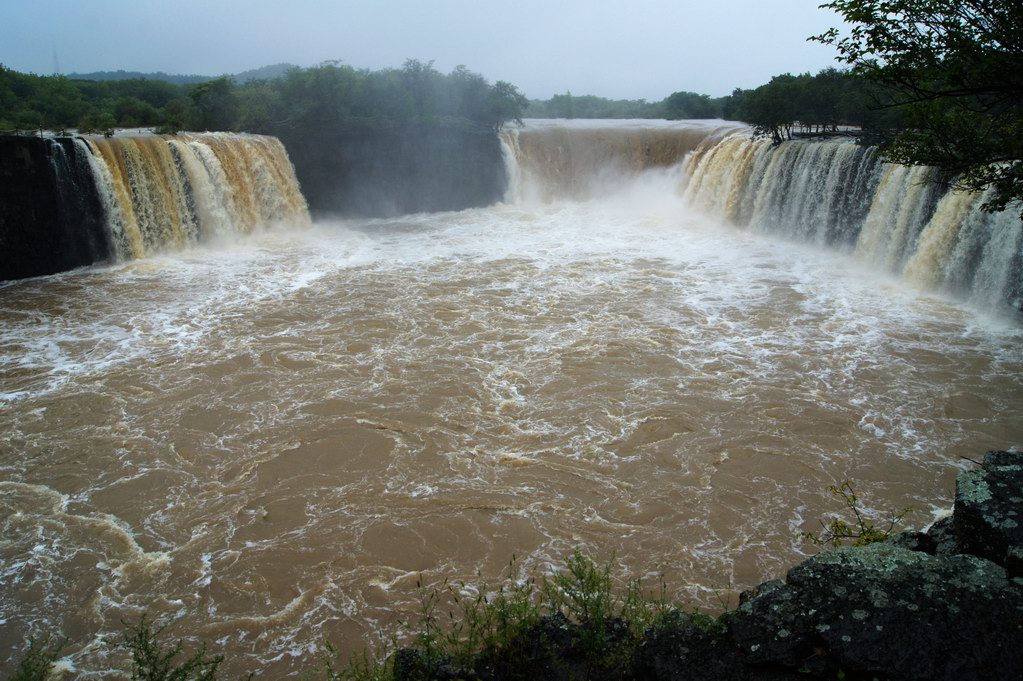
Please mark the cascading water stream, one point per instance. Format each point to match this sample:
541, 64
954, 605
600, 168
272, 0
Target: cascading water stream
840, 194
168, 192
70, 202
555, 160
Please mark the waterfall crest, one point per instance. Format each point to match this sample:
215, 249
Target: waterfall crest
840, 194
579, 159
835, 193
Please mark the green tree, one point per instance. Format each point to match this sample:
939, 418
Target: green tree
216, 105
730, 104
131, 112
681, 105
258, 106
420, 80
772, 108
58, 101
467, 94
505, 103
953, 70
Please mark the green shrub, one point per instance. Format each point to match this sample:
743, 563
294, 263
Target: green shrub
153, 660
862, 531
38, 660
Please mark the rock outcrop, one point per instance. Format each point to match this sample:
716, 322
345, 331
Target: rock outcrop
988, 516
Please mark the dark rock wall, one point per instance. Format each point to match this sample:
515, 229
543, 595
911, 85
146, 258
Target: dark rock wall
377, 170
51, 217
988, 517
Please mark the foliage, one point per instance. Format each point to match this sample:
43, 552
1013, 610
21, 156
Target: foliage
299, 101
589, 106
30, 102
677, 106
121, 74
952, 70
361, 667
215, 105
682, 105
808, 103
153, 660
586, 594
461, 625
505, 103
862, 531
38, 660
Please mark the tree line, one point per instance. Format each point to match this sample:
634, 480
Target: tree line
826, 102
676, 106
330, 94
788, 104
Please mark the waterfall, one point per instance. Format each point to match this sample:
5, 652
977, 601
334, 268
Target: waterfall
819, 193
70, 202
81, 236
965, 249
166, 192
902, 203
835, 194
579, 159
840, 194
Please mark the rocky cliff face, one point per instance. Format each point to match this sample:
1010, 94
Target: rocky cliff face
51, 218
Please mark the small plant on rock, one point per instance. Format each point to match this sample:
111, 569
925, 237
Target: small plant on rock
861, 531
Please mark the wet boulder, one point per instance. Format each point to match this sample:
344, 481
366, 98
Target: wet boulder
889, 612
689, 646
988, 516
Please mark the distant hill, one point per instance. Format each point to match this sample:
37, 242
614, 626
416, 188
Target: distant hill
262, 73
177, 79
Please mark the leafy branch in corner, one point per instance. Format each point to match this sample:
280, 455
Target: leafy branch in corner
861, 531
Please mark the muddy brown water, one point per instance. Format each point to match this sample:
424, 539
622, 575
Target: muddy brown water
267, 441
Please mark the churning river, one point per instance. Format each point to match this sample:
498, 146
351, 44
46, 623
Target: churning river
267, 440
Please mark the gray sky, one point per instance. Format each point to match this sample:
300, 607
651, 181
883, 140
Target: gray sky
639, 49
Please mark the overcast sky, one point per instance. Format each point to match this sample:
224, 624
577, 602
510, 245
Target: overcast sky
622, 50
